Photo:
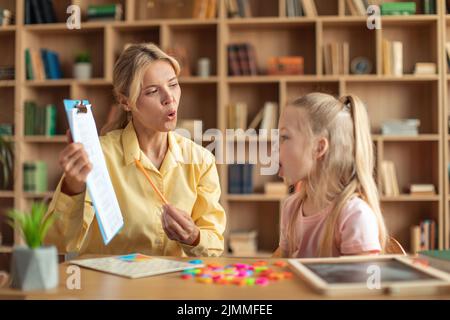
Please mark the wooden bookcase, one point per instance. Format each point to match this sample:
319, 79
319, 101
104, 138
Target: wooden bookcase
421, 159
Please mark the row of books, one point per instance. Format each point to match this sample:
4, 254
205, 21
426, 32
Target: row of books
39, 11
6, 129
240, 178
35, 176
398, 8
336, 58
238, 8
7, 73
423, 236
40, 120
389, 180
104, 12
6, 17
358, 7
392, 58
400, 127
42, 64
204, 9
242, 60
301, 8
266, 118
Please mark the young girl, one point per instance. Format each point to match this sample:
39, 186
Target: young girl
326, 147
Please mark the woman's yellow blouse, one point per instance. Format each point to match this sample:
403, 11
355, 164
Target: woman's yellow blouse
188, 179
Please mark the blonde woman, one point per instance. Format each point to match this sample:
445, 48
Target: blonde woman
325, 145
148, 93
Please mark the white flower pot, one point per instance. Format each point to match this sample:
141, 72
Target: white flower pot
34, 269
82, 71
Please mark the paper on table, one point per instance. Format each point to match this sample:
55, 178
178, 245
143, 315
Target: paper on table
84, 130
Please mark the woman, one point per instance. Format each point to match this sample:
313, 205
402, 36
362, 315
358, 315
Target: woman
147, 90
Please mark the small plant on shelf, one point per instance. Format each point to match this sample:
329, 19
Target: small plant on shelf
83, 66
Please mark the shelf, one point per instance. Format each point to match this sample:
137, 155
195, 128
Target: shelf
6, 194
45, 139
254, 197
7, 83
66, 82
198, 80
409, 198
8, 29
38, 195
421, 137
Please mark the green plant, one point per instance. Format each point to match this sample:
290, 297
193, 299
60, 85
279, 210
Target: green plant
83, 57
34, 225
6, 162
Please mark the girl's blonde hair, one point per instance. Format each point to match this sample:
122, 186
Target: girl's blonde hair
347, 167
128, 76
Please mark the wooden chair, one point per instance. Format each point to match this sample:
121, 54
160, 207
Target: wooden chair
394, 247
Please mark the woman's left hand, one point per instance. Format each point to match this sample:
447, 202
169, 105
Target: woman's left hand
179, 226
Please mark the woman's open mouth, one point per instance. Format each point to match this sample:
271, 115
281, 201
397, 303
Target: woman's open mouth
172, 115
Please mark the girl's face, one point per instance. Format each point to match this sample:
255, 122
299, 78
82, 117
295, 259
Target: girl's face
296, 155
157, 104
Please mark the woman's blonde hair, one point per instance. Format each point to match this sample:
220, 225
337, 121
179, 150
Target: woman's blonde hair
346, 169
128, 76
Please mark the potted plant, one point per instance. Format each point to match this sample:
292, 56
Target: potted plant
6, 163
83, 66
34, 266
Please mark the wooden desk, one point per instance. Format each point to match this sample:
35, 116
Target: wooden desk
98, 285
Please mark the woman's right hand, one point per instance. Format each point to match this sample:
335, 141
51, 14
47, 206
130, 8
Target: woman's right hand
76, 165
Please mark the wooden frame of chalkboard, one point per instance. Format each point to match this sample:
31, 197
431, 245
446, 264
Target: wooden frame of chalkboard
371, 275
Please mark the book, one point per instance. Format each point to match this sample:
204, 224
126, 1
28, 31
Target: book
389, 179
439, 259
422, 189
309, 8
429, 6
240, 178
400, 127
232, 8
398, 8
270, 117
243, 243
35, 176
237, 116
241, 59
112, 11
392, 58
50, 120
336, 58
424, 68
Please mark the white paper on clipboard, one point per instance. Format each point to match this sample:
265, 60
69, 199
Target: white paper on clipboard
84, 130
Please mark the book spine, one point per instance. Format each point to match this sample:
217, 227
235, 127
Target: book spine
247, 181
106, 10
233, 62
36, 11
28, 65
234, 179
50, 120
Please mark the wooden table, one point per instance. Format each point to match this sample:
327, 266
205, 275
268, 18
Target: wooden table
98, 285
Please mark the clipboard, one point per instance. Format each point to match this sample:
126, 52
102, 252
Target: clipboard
99, 185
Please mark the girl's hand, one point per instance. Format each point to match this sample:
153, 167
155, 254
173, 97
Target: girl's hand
179, 226
75, 163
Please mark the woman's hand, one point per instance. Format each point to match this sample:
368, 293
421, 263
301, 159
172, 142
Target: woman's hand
179, 226
75, 163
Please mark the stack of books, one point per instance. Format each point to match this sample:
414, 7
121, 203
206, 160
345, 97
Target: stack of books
42, 64
204, 9
423, 236
6, 17
389, 179
240, 178
393, 58
337, 58
238, 8
6, 129
104, 12
425, 68
40, 120
422, 190
400, 127
35, 176
398, 8
39, 11
243, 243
7, 73
242, 60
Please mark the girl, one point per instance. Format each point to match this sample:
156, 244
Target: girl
325, 145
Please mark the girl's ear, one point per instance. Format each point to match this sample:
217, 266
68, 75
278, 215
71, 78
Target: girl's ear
322, 147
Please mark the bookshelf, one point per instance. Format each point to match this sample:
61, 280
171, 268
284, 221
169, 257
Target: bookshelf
420, 159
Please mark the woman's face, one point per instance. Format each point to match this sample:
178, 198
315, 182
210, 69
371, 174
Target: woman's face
157, 104
296, 156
